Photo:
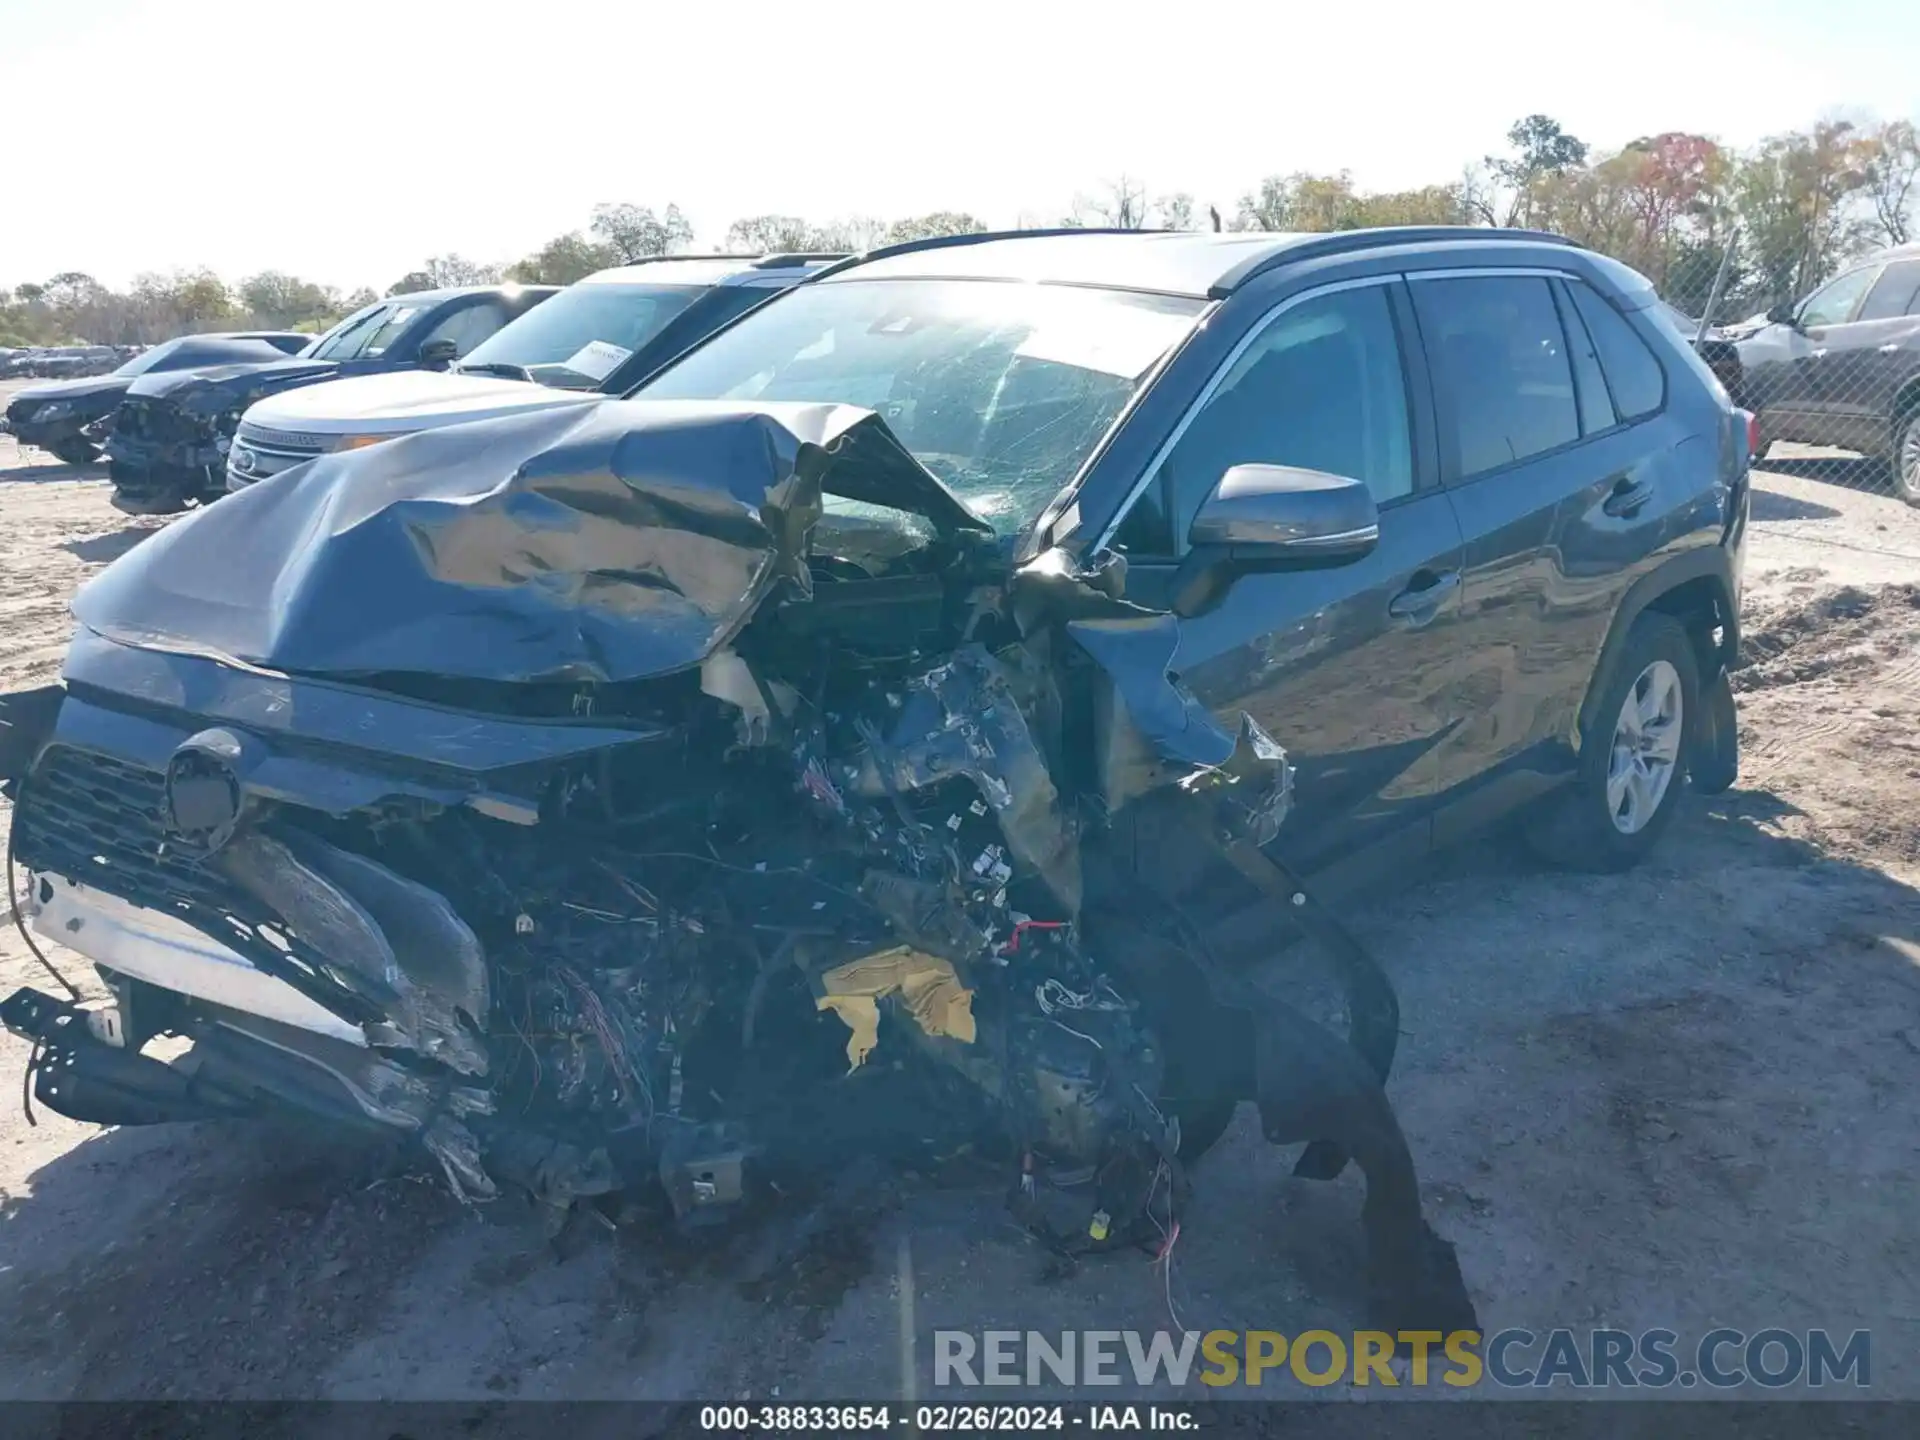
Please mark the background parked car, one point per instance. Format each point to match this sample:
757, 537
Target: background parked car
64, 417
601, 336
168, 446
1841, 366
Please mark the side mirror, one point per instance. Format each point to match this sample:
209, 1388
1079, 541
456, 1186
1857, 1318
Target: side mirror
1273, 517
438, 354
1781, 314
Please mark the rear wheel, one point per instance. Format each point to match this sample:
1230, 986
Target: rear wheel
1633, 758
1906, 458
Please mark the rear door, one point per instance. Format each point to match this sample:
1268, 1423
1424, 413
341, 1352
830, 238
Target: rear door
1869, 357
1351, 668
1557, 482
1829, 333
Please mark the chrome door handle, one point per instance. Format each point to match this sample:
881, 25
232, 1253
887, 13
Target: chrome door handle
1821, 350
1890, 349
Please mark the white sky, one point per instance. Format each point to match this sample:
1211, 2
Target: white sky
345, 141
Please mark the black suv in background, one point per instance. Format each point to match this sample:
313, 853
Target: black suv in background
61, 417
168, 444
1841, 367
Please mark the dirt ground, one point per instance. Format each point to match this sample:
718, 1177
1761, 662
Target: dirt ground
1682, 1097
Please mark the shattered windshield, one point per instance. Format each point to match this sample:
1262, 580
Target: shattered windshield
583, 334
1002, 390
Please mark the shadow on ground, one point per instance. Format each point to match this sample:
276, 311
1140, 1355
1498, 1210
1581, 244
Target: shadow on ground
228, 1261
41, 474
1854, 472
99, 549
1771, 505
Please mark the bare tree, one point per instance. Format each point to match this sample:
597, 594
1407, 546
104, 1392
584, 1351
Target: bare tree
1121, 204
1892, 175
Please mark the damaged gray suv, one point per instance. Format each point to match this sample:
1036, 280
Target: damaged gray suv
861, 739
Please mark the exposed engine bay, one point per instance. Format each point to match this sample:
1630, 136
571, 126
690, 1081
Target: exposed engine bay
699, 795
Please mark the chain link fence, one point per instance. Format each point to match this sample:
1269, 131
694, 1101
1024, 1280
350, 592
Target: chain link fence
1833, 374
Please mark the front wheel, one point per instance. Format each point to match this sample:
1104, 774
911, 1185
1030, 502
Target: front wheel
1633, 759
75, 452
1906, 458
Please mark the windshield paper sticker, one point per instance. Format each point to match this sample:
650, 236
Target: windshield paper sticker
596, 359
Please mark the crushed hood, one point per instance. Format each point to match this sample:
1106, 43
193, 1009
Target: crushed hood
179, 385
404, 401
603, 543
94, 387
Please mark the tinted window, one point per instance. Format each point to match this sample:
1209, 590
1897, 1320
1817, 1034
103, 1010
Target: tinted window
583, 334
349, 335
1589, 381
1633, 371
1895, 293
381, 338
1833, 304
1500, 361
1321, 387
467, 326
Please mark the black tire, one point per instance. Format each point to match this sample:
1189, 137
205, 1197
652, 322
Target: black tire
1582, 827
1906, 457
75, 452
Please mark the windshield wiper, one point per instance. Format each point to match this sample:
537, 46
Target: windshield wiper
498, 367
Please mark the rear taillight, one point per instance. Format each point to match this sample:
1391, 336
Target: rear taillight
1753, 431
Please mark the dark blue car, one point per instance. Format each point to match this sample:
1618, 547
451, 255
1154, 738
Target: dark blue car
988, 630
63, 416
168, 442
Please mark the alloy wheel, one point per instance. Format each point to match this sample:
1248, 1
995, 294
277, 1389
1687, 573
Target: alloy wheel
1906, 461
1646, 747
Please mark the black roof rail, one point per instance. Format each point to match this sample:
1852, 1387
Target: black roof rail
1342, 242
977, 237
784, 259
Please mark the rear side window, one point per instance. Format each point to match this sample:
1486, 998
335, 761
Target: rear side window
1596, 403
1895, 293
1500, 361
1633, 371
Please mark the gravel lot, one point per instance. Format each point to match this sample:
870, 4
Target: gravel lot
1682, 1098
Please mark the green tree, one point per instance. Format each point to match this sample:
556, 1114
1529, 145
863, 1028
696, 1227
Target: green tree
1799, 199
935, 223
634, 232
786, 234
286, 301
563, 260
1543, 150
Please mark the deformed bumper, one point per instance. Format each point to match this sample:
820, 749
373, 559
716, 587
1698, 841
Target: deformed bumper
152, 946
45, 436
155, 455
